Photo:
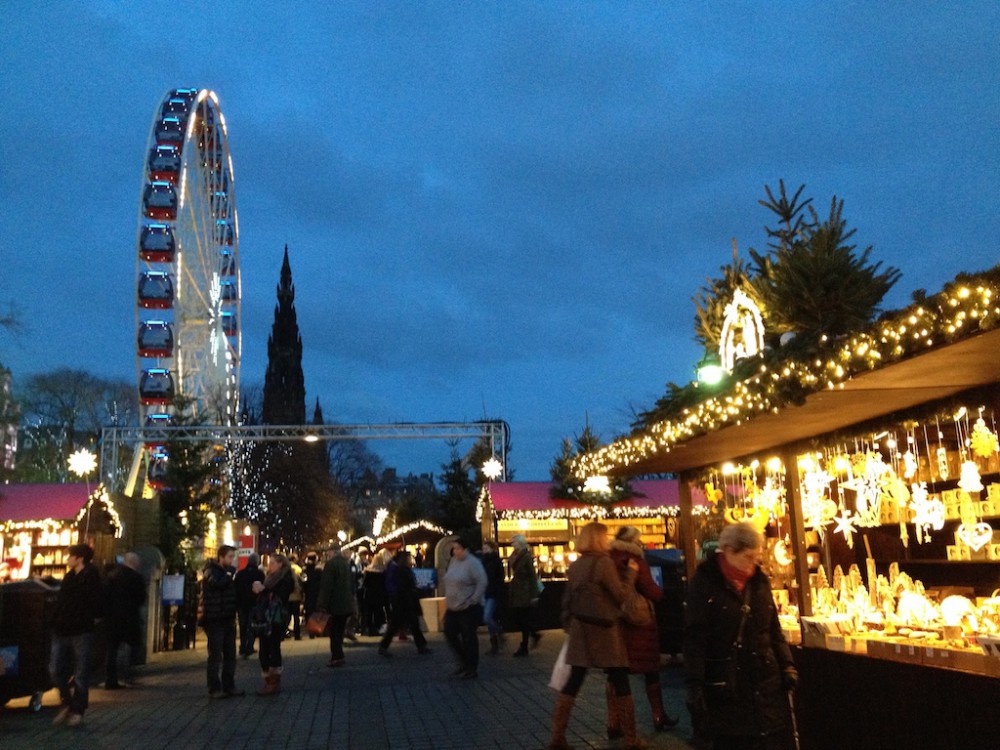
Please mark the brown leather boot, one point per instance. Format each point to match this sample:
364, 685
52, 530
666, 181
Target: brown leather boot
662, 721
560, 720
626, 718
614, 727
277, 680
268, 687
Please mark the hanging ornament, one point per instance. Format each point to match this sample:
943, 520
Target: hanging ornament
970, 480
928, 512
942, 462
869, 483
845, 526
942, 454
984, 442
712, 495
818, 509
976, 535
909, 465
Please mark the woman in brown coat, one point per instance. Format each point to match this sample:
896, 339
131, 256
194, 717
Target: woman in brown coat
642, 642
591, 613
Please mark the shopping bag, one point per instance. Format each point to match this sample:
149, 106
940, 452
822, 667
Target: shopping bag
318, 623
561, 670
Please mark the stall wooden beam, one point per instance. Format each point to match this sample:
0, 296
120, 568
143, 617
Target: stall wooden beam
793, 497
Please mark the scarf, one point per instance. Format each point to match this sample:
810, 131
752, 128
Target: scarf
272, 579
734, 576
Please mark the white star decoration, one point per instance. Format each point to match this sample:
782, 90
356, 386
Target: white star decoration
845, 526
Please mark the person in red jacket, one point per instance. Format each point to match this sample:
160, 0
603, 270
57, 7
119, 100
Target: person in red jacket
642, 642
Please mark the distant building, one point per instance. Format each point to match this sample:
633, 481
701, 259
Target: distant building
284, 383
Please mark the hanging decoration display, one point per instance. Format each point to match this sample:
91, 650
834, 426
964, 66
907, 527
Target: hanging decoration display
983, 442
869, 477
742, 330
845, 526
928, 512
818, 509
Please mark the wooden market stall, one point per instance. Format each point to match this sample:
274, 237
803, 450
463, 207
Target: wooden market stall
551, 525
884, 463
39, 522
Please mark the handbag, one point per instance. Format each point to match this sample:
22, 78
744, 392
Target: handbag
318, 623
561, 670
720, 674
637, 609
589, 609
268, 615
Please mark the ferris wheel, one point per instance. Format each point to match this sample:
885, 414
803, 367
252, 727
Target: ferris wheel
188, 336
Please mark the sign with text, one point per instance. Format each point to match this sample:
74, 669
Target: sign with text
426, 577
172, 590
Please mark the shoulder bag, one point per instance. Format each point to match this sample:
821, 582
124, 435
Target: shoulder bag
720, 674
587, 608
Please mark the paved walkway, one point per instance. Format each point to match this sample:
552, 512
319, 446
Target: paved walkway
407, 702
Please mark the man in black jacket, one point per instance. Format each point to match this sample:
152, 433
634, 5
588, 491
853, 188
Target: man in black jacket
245, 600
218, 600
126, 593
73, 634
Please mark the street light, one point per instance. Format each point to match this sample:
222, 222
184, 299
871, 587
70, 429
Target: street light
710, 370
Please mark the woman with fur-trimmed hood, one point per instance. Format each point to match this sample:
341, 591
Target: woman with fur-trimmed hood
642, 642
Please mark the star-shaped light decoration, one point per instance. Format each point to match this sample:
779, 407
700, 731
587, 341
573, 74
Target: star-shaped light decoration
492, 468
82, 463
845, 526
909, 465
599, 484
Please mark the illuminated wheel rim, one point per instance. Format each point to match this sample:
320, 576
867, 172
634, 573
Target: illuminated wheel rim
188, 333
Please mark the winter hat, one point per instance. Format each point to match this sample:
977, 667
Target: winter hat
627, 534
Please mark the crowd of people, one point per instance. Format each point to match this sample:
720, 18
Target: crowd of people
738, 668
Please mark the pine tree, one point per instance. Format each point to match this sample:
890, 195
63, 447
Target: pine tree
813, 282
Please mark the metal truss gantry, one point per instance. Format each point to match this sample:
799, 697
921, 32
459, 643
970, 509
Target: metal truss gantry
114, 438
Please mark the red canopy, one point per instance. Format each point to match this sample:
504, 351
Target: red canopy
36, 502
527, 496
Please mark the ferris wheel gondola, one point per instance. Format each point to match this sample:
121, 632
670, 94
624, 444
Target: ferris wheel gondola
188, 338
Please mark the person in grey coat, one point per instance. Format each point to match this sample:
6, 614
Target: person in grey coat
464, 588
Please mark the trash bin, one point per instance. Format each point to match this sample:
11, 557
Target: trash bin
26, 611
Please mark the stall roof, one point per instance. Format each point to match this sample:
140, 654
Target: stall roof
36, 502
936, 374
533, 496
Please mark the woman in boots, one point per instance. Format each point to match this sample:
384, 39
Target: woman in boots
276, 588
591, 614
642, 642
522, 591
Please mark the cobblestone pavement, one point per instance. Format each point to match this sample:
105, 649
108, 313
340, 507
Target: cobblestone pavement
406, 702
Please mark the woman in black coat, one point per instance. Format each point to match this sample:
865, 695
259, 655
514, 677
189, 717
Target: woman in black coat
738, 665
276, 588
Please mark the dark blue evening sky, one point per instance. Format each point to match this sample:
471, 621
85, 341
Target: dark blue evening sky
493, 209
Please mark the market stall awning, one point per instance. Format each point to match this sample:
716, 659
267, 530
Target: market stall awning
936, 374
36, 502
519, 497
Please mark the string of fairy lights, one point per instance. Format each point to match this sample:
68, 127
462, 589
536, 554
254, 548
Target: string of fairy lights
950, 316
